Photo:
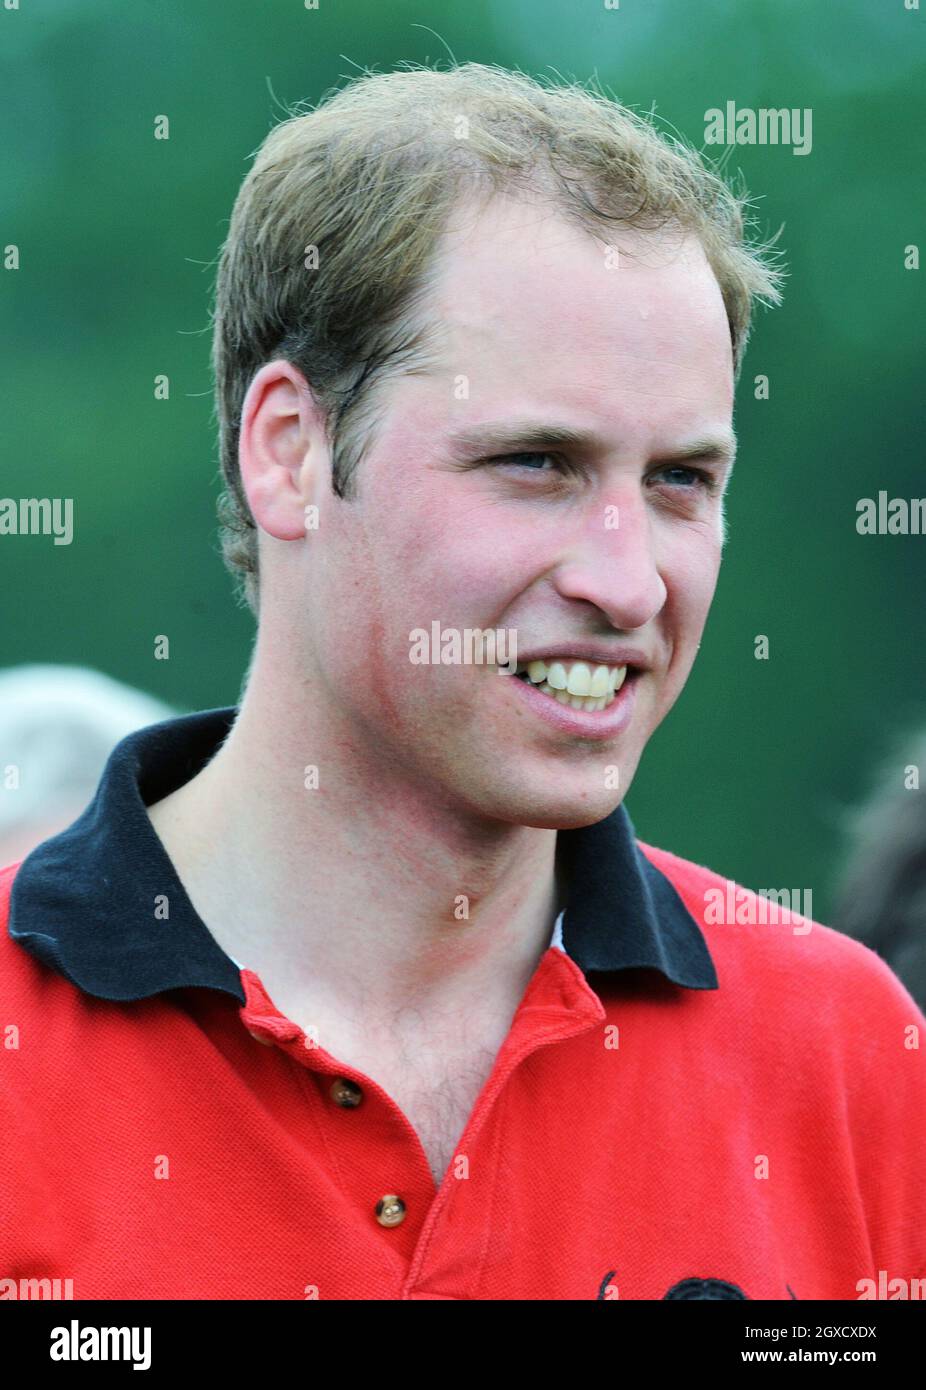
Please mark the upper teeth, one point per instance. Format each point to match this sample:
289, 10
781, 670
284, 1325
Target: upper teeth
577, 677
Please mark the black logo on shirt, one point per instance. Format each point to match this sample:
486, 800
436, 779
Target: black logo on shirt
697, 1289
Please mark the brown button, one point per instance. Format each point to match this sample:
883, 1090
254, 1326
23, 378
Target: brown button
390, 1210
259, 1037
346, 1093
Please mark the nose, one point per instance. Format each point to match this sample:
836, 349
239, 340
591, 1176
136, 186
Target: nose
614, 565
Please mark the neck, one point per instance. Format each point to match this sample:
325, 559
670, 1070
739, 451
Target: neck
370, 892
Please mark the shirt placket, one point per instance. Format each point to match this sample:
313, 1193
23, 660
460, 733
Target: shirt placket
436, 1234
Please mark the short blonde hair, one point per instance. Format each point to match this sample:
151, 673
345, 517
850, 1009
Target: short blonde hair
371, 178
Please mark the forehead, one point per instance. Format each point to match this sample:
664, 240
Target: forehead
535, 311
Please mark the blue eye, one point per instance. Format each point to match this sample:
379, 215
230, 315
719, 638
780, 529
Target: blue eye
702, 480
680, 477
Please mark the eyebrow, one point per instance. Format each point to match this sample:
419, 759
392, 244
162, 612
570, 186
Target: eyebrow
523, 436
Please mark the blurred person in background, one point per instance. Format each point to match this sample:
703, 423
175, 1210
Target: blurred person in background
58, 725
882, 889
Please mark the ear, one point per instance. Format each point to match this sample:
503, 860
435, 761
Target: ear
282, 449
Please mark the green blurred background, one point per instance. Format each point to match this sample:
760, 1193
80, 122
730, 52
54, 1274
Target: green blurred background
118, 233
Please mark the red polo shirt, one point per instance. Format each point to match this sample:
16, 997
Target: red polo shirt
687, 1105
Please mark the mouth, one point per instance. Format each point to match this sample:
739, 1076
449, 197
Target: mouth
577, 684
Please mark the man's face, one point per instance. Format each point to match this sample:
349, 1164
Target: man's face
611, 544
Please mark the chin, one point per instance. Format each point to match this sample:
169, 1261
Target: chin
556, 812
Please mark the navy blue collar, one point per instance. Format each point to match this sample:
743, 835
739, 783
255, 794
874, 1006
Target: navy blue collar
89, 901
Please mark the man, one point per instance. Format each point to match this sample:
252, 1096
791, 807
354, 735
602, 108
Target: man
366, 989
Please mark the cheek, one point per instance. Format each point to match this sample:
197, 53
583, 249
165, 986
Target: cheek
366, 613
690, 584
691, 576
363, 665
454, 566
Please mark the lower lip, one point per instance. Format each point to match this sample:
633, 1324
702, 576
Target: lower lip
590, 724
